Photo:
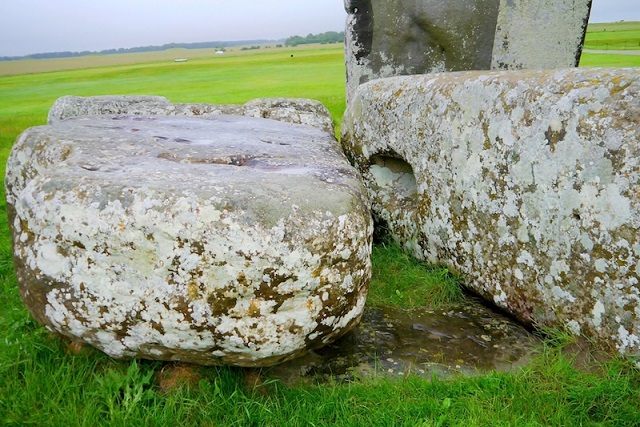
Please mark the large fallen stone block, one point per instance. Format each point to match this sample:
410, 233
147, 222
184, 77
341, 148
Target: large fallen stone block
524, 182
227, 240
291, 110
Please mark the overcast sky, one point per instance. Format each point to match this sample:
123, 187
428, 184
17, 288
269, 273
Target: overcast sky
35, 26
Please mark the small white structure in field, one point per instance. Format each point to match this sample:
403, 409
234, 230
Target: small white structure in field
220, 52
181, 60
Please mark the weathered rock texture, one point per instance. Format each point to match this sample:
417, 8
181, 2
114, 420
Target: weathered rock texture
391, 38
291, 110
229, 240
538, 34
525, 182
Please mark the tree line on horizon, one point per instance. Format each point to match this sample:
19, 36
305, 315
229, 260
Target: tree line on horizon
197, 45
324, 38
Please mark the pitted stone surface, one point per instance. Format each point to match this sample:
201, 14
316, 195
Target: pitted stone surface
291, 110
525, 182
231, 240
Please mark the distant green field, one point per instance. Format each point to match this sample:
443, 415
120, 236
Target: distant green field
34, 66
613, 36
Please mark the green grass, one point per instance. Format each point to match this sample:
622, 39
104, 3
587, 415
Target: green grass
613, 36
42, 383
402, 281
609, 60
49, 388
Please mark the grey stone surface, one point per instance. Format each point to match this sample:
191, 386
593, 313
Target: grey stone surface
539, 34
73, 106
525, 182
227, 240
391, 38
292, 110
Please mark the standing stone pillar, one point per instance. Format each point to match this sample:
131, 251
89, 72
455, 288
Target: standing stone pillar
386, 38
540, 34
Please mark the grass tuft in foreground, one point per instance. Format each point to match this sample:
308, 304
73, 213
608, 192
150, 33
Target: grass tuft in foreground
52, 388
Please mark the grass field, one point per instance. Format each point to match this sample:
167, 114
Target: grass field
609, 60
30, 66
44, 382
615, 36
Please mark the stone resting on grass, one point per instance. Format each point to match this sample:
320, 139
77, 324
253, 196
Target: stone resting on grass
227, 240
527, 183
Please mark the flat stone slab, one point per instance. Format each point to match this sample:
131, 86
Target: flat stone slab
227, 240
524, 182
461, 339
